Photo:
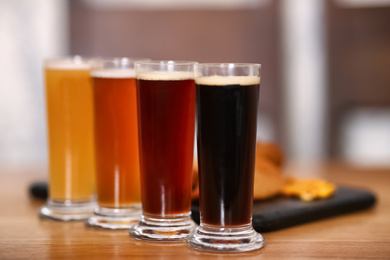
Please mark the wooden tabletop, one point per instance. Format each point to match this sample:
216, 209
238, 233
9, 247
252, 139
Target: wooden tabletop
360, 235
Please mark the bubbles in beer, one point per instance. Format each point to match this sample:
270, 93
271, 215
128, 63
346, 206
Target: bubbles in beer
166, 75
113, 73
228, 80
68, 64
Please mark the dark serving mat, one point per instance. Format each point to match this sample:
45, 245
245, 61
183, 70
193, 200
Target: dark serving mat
283, 211
38, 190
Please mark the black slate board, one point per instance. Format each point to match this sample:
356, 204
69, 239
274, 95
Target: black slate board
282, 211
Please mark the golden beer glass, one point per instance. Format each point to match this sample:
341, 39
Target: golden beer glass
70, 139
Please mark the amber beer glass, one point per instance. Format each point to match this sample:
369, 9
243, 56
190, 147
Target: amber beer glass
116, 145
227, 104
70, 138
166, 121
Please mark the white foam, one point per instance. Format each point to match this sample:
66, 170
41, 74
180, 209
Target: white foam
166, 75
113, 73
228, 80
67, 64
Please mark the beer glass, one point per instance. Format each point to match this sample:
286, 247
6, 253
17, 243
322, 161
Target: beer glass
70, 138
166, 119
116, 145
227, 103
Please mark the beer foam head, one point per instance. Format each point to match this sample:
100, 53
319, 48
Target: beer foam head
228, 80
113, 73
165, 75
68, 64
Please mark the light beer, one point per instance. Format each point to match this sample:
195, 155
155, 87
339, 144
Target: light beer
70, 131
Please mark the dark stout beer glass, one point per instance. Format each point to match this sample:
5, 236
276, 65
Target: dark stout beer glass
227, 104
166, 121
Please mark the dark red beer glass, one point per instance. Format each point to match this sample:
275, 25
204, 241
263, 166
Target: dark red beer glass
166, 121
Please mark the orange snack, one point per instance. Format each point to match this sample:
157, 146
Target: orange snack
308, 189
268, 179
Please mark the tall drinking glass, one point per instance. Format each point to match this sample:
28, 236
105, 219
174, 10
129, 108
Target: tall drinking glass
227, 104
116, 145
70, 132
166, 121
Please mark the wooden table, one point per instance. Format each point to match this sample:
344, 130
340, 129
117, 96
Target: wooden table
361, 235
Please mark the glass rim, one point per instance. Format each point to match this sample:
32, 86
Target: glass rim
229, 64
77, 58
123, 59
117, 63
167, 62
75, 62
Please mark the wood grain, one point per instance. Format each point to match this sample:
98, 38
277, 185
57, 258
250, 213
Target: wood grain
361, 235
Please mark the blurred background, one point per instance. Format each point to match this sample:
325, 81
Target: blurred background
325, 86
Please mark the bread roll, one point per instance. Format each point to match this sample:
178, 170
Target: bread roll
271, 152
268, 179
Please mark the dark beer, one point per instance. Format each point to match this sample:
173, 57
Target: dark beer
227, 120
166, 114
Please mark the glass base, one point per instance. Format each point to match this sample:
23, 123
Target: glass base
115, 218
229, 239
172, 228
67, 210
